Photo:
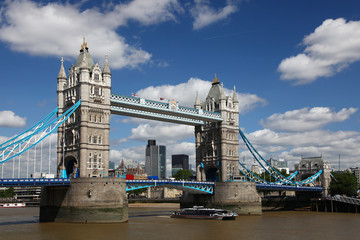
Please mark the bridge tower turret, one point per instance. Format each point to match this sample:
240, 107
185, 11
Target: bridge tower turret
217, 144
84, 149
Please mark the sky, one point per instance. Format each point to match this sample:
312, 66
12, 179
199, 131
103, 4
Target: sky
295, 65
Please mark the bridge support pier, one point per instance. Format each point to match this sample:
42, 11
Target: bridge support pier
86, 200
240, 197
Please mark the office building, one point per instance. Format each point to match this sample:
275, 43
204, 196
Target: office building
179, 162
155, 159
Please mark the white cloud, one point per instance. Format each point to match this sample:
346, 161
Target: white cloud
3, 139
306, 119
9, 119
185, 94
56, 29
329, 49
294, 145
167, 132
137, 153
205, 15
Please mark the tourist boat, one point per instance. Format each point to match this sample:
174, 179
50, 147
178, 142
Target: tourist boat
199, 212
12, 205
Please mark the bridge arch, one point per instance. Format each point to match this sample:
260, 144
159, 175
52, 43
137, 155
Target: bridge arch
212, 174
71, 165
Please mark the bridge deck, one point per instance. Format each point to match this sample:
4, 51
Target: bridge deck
204, 187
144, 108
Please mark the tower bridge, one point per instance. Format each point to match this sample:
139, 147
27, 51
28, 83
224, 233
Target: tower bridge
83, 148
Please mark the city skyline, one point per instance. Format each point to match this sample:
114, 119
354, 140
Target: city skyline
294, 65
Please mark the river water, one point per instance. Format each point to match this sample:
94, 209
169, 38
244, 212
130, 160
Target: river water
153, 222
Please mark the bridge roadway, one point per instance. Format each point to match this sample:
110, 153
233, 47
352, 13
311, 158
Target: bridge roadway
192, 186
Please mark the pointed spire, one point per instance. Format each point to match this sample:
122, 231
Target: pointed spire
235, 98
122, 164
197, 100
84, 45
106, 68
62, 73
222, 94
215, 81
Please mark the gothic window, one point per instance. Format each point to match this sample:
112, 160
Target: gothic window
94, 141
89, 117
96, 77
96, 91
99, 119
89, 162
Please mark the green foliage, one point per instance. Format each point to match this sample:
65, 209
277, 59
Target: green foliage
8, 193
136, 192
345, 184
183, 174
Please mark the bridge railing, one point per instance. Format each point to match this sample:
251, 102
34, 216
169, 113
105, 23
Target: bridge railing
164, 107
33, 182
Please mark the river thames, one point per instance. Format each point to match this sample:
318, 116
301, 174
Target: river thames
154, 222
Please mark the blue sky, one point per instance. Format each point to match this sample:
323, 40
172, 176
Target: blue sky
295, 65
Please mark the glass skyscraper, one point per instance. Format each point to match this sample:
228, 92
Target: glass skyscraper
155, 159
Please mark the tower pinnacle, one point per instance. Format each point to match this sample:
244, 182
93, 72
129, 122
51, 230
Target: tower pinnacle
235, 98
106, 68
62, 73
215, 81
84, 45
197, 100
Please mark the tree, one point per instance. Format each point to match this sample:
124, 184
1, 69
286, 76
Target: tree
136, 192
8, 193
343, 184
183, 174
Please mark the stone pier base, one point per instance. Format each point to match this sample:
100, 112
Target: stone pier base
240, 197
86, 200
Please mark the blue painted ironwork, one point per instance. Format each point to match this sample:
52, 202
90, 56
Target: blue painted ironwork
251, 176
63, 173
144, 108
199, 187
24, 182
290, 177
274, 187
23, 141
310, 179
274, 173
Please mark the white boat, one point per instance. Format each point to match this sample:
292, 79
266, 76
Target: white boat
12, 205
199, 212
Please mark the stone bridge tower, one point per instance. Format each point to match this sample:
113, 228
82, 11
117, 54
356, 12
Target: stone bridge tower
84, 149
217, 144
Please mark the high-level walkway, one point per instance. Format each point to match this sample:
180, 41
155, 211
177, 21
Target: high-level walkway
166, 112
